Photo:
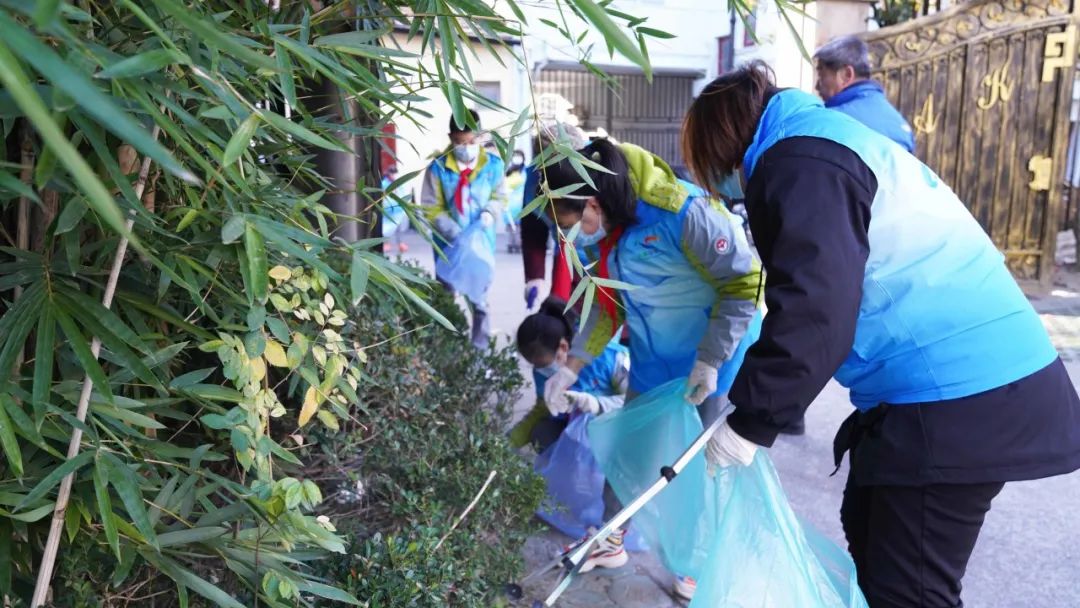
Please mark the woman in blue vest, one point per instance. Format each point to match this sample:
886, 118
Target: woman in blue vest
880, 277
694, 306
464, 189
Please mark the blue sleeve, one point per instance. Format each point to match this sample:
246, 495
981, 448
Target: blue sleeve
539, 381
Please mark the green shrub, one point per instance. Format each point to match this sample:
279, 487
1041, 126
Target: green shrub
433, 409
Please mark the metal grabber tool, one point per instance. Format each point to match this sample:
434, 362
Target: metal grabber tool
571, 560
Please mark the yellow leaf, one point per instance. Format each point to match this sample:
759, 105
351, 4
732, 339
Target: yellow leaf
275, 354
280, 273
311, 405
258, 369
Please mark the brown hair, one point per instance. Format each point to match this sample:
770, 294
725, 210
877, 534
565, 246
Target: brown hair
720, 124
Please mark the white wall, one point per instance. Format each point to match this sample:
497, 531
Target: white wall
778, 46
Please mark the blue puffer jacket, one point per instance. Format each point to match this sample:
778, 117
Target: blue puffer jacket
865, 102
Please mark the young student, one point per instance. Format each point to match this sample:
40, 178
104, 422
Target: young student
693, 309
574, 507
544, 339
465, 186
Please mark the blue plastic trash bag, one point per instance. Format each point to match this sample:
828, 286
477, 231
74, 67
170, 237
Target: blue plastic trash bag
735, 532
575, 484
469, 265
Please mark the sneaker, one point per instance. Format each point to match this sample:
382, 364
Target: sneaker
608, 553
684, 587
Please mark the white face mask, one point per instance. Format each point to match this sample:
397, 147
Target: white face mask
466, 153
588, 240
731, 186
549, 370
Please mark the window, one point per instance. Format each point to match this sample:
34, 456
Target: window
490, 90
749, 29
725, 55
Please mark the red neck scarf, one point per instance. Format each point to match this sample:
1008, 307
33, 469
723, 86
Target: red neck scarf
606, 298
459, 192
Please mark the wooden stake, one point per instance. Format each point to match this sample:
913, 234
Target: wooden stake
52, 545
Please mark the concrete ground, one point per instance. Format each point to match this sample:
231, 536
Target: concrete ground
1029, 550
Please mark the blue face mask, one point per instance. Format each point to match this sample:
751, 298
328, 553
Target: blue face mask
588, 240
731, 187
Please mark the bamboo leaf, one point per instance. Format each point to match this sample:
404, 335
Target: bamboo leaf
241, 139
255, 249
233, 229
327, 592
10, 443
81, 346
127, 486
144, 63
53, 478
212, 35
285, 76
358, 277
104, 505
46, 12
14, 185
69, 218
73, 82
614, 35
190, 537
297, 130
190, 580
190, 378
14, 79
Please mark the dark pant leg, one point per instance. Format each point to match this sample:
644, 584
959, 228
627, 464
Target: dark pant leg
546, 431
911, 545
481, 325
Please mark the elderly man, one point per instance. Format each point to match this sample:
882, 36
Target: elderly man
843, 82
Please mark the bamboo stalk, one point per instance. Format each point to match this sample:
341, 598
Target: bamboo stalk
22, 225
52, 545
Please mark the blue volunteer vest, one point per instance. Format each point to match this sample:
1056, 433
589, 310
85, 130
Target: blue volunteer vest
941, 317
668, 309
482, 184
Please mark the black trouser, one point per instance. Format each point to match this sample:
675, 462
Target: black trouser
911, 544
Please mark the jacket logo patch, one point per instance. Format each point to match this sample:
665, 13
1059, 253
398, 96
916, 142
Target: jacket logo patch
649, 240
722, 245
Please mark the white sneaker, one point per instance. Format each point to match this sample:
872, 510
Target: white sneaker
608, 553
685, 587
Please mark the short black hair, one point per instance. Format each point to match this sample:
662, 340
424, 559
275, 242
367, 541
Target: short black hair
613, 190
454, 128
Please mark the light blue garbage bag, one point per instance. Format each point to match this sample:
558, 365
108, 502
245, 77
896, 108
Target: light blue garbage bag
575, 485
735, 532
469, 263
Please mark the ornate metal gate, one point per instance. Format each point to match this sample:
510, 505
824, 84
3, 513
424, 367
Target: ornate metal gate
987, 87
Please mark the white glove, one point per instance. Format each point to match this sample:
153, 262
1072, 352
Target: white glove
727, 448
487, 220
584, 402
702, 383
532, 293
555, 390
